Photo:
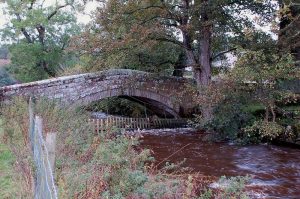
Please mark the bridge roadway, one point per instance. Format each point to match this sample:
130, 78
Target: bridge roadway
166, 96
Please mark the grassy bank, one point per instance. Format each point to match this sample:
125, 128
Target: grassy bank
7, 188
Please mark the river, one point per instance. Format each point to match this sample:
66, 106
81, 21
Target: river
274, 170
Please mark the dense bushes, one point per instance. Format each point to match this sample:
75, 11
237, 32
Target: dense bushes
246, 103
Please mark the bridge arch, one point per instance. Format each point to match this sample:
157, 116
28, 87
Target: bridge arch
162, 93
158, 103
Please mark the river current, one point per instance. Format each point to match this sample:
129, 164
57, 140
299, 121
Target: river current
274, 170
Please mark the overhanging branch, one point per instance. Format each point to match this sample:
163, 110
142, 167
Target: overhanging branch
23, 30
56, 10
222, 53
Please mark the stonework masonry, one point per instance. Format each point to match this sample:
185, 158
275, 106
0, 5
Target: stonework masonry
161, 93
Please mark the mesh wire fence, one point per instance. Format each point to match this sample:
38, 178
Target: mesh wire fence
44, 178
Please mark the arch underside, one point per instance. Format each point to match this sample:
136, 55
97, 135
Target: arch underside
157, 103
155, 107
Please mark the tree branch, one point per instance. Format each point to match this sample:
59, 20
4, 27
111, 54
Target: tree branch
143, 8
290, 25
23, 30
222, 53
160, 17
172, 15
168, 40
41, 31
56, 10
31, 4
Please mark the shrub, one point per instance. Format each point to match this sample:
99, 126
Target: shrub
233, 187
5, 78
265, 129
230, 112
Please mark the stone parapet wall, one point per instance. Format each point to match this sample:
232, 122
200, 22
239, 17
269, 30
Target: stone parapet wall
83, 89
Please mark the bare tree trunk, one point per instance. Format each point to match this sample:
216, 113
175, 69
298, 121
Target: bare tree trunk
267, 113
49, 71
204, 58
205, 46
273, 113
203, 72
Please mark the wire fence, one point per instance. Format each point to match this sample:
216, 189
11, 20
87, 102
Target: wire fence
44, 178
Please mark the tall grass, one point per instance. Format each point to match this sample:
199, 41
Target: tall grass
7, 187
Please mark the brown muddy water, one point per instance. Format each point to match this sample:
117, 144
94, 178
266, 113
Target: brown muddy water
274, 170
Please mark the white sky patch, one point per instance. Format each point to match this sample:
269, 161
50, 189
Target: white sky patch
83, 17
86, 17
3, 18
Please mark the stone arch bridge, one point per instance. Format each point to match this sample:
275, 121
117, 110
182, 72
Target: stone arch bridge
166, 96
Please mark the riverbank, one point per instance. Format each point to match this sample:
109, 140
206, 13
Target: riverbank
118, 164
274, 170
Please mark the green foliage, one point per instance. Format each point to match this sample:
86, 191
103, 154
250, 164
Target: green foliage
265, 129
228, 121
264, 68
16, 140
116, 39
231, 111
245, 102
24, 58
5, 77
151, 35
39, 33
207, 194
234, 187
228, 188
261, 73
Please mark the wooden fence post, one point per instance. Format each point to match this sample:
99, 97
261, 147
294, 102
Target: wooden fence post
50, 144
38, 129
31, 122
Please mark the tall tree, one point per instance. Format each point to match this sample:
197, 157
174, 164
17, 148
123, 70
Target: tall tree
39, 33
194, 26
118, 39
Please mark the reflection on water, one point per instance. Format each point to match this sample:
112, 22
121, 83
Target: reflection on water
275, 170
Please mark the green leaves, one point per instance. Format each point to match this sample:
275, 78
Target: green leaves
263, 69
40, 34
265, 129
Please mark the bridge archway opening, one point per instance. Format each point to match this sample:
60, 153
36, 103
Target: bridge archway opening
131, 106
